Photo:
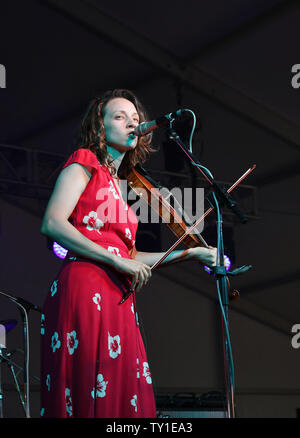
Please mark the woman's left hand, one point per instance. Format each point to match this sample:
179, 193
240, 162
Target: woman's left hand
207, 256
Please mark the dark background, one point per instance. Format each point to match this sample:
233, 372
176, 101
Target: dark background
231, 63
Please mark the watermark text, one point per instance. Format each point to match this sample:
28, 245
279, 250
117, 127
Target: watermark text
296, 78
2, 76
296, 338
150, 206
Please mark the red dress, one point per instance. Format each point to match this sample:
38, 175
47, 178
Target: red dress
93, 361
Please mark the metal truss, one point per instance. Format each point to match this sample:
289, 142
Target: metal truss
31, 173
28, 173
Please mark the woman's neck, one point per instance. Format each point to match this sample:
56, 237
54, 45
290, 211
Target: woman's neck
116, 155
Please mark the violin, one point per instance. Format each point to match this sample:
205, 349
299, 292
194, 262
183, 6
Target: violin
138, 179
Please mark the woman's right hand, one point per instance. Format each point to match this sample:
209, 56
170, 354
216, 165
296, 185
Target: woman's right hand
207, 256
138, 271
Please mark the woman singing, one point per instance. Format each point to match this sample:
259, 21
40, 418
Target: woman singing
93, 361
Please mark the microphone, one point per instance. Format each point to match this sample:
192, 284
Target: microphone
145, 127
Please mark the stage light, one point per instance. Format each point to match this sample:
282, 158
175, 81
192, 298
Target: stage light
59, 251
227, 264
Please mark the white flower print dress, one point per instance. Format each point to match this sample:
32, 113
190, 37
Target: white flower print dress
91, 345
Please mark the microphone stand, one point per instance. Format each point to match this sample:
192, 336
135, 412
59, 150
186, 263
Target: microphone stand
24, 307
220, 198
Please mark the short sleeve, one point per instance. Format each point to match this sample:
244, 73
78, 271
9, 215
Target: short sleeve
85, 157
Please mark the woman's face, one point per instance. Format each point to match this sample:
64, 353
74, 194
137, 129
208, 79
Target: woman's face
120, 119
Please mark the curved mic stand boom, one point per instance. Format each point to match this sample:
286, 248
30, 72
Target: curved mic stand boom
220, 198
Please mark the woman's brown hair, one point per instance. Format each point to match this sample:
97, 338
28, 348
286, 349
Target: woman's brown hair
92, 132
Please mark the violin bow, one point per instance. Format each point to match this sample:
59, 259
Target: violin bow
192, 227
